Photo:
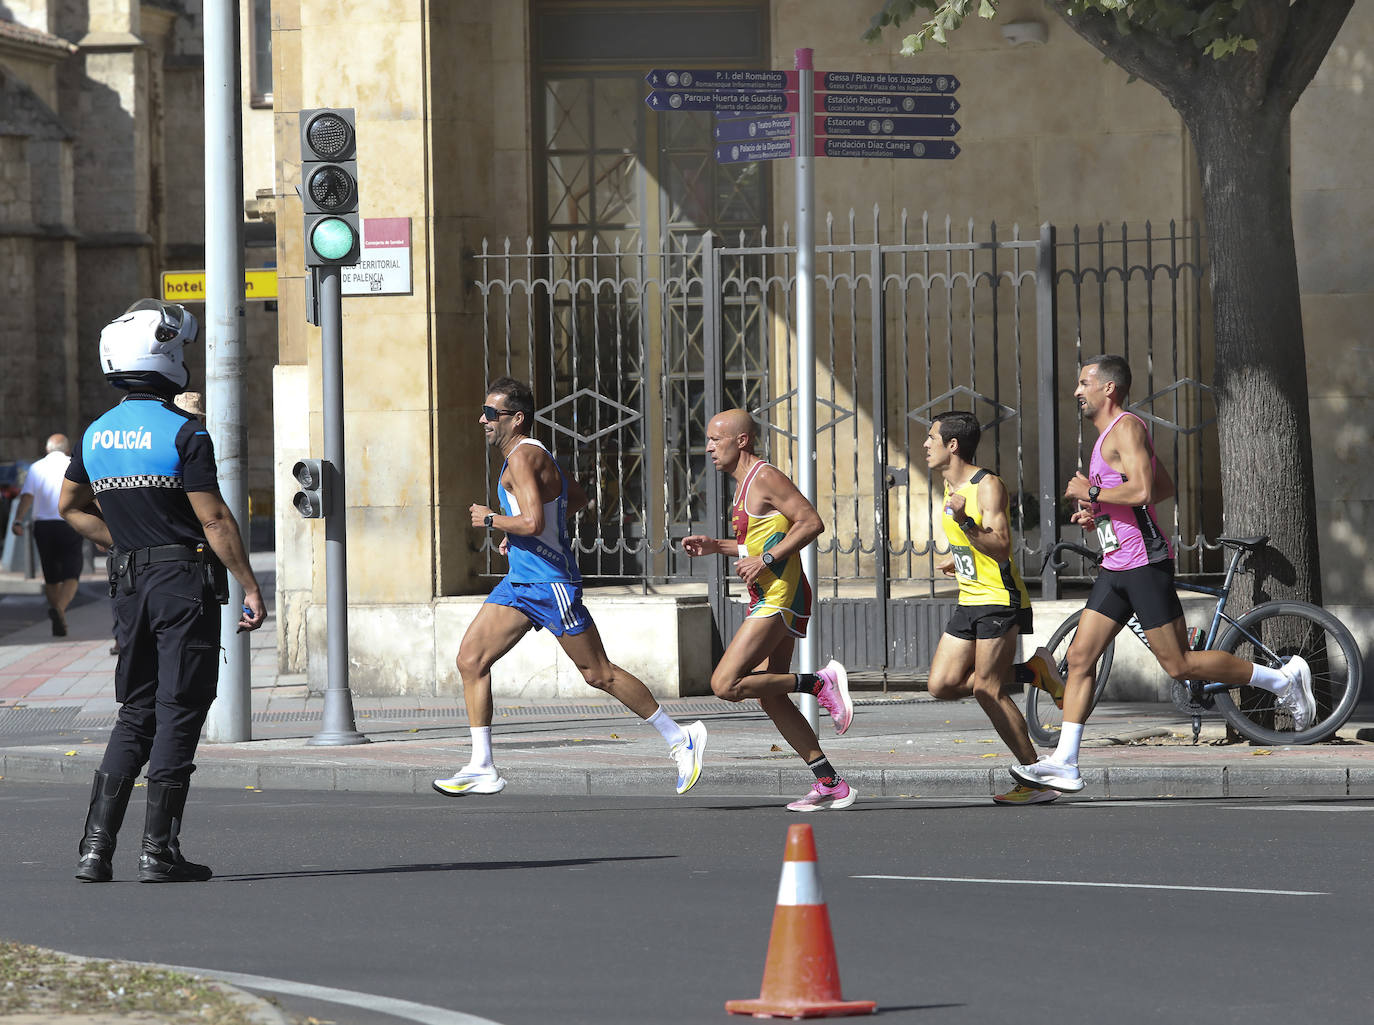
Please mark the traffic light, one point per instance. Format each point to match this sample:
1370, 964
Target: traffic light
329, 187
312, 500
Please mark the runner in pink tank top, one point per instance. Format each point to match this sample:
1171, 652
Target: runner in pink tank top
1129, 534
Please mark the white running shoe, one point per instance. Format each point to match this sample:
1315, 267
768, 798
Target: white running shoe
1296, 698
1049, 775
688, 756
471, 781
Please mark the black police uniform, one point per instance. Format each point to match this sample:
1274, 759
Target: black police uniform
140, 459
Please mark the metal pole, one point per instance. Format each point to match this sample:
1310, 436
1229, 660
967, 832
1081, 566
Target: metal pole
338, 727
806, 347
231, 716
1047, 399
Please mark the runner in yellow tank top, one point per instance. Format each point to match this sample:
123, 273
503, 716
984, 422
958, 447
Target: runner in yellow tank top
784, 591
773, 522
975, 655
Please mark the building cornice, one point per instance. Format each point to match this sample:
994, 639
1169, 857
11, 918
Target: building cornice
30, 44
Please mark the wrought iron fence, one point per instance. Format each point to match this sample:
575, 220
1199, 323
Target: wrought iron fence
630, 352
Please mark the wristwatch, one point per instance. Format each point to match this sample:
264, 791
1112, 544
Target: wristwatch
1093, 492
767, 558
486, 520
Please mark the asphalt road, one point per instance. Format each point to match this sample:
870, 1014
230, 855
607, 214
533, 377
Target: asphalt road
529, 910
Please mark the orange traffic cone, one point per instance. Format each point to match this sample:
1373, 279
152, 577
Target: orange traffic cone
800, 977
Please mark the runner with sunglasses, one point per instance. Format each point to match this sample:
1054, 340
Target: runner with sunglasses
542, 590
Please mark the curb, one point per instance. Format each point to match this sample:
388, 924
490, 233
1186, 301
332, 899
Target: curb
1226, 780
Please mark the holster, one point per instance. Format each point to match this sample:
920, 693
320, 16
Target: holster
119, 568
216, 576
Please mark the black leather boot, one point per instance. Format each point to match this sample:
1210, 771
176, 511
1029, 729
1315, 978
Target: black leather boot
160, 860
109, 799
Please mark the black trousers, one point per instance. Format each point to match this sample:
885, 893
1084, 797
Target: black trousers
169, 647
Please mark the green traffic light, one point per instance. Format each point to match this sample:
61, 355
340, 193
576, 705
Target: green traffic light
332, 238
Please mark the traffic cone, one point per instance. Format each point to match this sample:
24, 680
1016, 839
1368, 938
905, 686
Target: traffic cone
800, 977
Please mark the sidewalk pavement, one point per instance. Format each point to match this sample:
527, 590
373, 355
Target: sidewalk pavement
57, 706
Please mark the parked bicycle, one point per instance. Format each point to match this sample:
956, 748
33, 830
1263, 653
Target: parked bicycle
1266, 635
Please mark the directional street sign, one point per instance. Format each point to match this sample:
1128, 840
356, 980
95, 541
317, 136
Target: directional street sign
901, 149
934, 126
721, 77
763, 149
760, 128
888, 103
745, 101
869, 82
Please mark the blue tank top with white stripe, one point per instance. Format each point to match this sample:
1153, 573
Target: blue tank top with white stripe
548, 555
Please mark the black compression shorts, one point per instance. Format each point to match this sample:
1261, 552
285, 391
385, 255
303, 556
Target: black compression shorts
1148, 591
985, 622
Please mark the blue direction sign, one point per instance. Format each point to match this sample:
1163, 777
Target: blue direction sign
661, 78
763, 149
746, 102
888, 103
936, 126
881, 82
900, 149
761, 128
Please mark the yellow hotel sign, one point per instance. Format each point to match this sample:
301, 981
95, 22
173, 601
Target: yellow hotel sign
188, 286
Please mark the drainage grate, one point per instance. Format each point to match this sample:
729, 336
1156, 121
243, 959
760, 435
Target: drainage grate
38, 719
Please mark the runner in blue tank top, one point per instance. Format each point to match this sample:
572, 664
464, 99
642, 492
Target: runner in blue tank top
543, 590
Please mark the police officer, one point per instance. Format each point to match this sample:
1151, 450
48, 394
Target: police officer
143, 484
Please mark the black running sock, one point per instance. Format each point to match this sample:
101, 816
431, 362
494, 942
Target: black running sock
1023, 673
807, 683
824, 772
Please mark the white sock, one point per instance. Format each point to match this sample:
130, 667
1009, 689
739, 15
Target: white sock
670, 730
1070, 733
1273, 680
481, 748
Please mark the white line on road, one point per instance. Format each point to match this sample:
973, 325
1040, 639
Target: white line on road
1115, 886
407, 1009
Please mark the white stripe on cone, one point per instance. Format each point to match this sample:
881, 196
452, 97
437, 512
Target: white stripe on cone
800, 884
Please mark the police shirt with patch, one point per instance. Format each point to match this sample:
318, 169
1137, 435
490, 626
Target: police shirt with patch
140, 459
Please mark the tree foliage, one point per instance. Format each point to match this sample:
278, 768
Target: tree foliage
1207, 25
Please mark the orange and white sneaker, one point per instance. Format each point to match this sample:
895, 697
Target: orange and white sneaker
1022, 794
1047, 676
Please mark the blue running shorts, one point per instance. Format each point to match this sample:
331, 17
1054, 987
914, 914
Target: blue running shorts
555, 607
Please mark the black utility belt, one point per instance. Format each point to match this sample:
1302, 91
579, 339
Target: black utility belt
122, 567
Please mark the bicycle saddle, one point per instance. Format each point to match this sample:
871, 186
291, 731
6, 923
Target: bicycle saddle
1250, 544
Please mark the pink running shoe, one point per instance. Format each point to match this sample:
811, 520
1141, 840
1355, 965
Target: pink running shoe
823, 798
834, 695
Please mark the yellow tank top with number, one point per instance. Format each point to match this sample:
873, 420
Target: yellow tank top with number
982, 579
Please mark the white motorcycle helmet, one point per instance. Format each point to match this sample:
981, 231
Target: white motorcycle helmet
142, 349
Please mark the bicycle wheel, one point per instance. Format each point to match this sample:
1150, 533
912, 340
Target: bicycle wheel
1267, 635
1042, 717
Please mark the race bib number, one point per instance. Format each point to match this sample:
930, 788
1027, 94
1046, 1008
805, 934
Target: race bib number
1106, 535
963, 562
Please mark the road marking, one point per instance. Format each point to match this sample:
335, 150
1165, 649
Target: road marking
1113, 886
407, 1009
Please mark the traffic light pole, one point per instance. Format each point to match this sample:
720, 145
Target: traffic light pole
339, 726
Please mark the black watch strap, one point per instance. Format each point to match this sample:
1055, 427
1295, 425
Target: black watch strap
486, 520
1093, 492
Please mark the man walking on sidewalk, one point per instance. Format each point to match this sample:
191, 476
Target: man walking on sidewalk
975, 655
1117, 500
60, 548
543, 590
773, 522
144, 484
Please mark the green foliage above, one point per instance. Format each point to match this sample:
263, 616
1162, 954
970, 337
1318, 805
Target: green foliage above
1204, 24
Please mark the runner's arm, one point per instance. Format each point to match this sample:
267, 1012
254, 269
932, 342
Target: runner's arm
1137, 465
522, 470
993, 538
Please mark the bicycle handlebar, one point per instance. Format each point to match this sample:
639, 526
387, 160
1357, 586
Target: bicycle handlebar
1071, 546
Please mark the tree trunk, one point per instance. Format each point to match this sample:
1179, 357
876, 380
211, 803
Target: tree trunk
1263, 418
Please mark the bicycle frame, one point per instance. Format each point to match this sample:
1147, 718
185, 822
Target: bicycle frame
1219, 615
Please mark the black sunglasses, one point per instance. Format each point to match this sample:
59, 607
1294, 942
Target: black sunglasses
491, 414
